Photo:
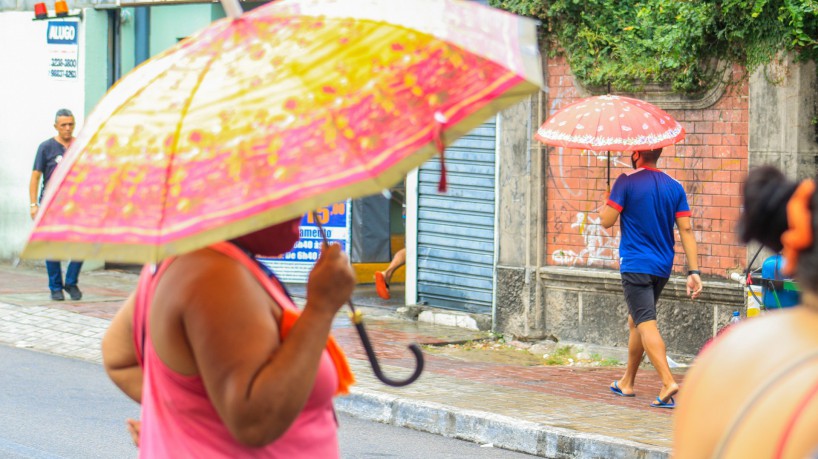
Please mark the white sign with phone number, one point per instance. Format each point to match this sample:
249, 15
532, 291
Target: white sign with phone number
62, 38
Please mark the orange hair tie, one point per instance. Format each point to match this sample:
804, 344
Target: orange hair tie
799, 218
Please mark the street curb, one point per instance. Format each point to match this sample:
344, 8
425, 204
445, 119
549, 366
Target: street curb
489, 428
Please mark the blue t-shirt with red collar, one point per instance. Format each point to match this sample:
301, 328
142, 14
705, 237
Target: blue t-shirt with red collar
649, 201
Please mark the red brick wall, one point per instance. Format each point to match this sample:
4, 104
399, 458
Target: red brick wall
711, 163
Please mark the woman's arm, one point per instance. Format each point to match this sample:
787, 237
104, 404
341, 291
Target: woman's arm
119, 355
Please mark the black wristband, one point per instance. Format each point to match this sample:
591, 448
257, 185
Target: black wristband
694, 271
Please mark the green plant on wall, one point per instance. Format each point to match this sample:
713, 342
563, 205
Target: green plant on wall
670, 42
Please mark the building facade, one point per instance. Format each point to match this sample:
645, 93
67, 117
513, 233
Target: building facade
516, 241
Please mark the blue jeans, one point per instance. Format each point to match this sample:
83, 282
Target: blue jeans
54, 268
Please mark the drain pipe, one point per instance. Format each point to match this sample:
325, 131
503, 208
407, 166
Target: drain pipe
540, 160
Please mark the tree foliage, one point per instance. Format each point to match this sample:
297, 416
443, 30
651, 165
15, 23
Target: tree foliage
628, 43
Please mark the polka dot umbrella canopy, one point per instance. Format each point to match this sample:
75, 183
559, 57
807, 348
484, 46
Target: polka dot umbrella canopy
611, 123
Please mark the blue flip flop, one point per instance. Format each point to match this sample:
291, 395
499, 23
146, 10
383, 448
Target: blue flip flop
616, 390
660, 404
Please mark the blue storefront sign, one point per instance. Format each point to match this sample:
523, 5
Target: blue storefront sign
62, 33
295, 266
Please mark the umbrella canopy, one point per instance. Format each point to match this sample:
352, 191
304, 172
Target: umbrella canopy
261, 118
612, 123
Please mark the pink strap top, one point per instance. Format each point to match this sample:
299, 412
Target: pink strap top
178, 420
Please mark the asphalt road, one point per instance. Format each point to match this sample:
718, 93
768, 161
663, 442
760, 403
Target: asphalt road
52, 407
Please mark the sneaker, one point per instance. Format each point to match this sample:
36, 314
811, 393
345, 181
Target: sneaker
74, 292
56, 295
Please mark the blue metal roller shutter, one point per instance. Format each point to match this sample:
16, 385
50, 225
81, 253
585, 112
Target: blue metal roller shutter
456, 230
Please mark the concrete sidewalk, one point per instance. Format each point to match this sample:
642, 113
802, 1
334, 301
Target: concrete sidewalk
547, 411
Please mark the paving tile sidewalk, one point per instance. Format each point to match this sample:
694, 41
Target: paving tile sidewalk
541, 410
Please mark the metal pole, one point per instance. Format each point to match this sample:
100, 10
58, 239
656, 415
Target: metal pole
114, 46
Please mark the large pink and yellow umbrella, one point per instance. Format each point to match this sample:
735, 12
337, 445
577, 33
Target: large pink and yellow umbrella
263, 117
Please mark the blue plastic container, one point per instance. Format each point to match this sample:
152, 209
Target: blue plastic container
771, 271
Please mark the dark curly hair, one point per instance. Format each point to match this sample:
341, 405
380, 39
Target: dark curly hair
766, 193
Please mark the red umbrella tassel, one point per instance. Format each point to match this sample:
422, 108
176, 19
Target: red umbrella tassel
442, 185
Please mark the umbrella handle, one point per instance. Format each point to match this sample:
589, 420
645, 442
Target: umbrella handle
609, 160
357, 319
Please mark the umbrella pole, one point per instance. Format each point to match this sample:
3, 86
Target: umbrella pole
357, 320
609, 171
232, 8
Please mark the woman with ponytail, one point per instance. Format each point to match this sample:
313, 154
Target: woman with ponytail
753, 392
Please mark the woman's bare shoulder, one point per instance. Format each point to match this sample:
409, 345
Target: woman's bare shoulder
753, 373
205, 269
208, 279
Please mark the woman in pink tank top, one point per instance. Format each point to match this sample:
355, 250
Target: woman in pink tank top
223, 363
753, 391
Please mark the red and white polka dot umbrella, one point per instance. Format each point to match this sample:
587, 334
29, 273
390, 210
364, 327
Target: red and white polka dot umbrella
612, 123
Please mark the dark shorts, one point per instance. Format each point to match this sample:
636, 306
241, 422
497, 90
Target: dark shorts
641, 293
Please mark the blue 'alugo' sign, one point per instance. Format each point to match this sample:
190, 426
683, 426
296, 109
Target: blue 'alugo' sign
62, 33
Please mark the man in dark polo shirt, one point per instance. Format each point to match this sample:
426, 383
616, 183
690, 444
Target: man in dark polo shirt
49, 155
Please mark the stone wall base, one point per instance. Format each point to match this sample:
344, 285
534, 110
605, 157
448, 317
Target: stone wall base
587, 305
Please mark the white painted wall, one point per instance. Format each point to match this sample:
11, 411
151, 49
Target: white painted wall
29, 98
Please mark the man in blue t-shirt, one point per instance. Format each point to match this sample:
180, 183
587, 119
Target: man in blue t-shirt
48, 157
649, 203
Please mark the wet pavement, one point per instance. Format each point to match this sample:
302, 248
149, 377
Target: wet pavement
548, 411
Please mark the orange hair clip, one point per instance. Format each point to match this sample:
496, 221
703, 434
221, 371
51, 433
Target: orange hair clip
799, 218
